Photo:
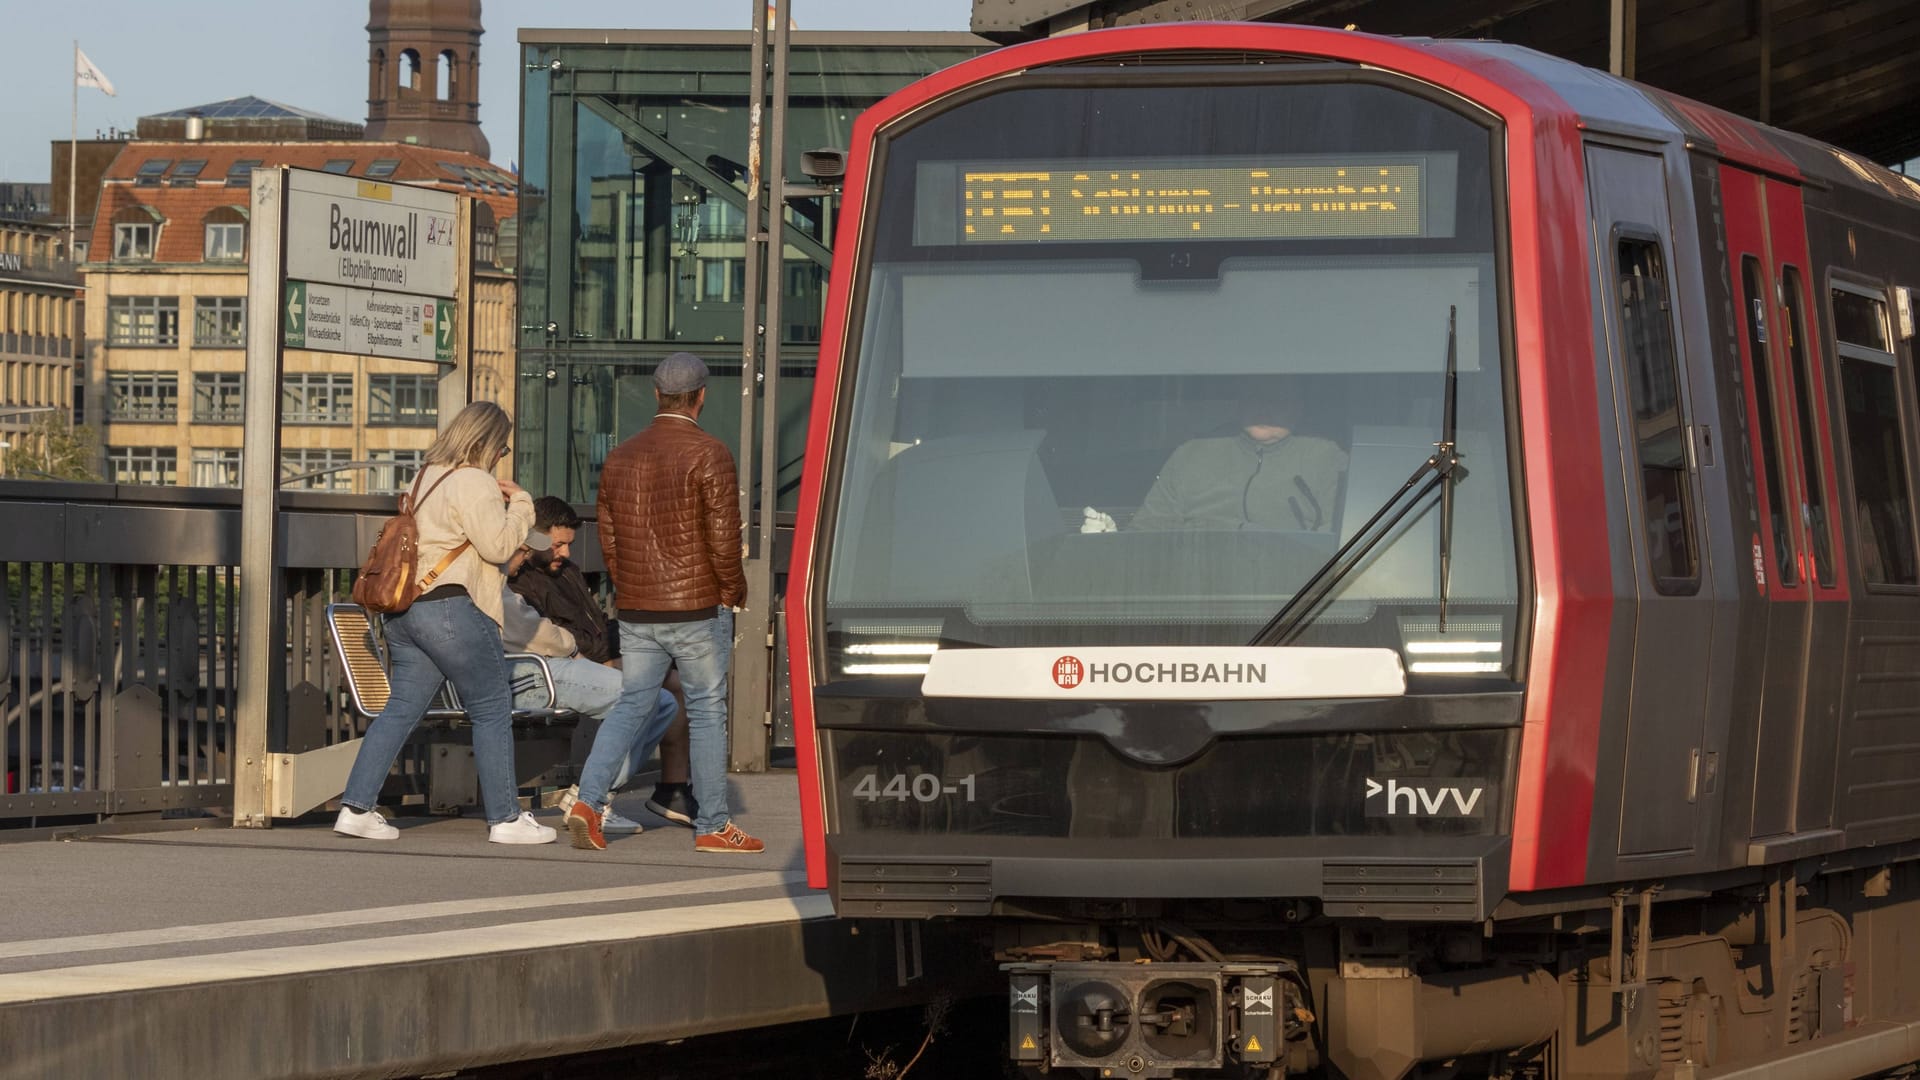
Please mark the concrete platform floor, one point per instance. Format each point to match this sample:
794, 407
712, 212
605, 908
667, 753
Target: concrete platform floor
298, 928
106, 899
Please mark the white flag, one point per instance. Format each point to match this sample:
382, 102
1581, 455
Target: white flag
86, 74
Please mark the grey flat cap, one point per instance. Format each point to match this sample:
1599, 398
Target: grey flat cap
681, 373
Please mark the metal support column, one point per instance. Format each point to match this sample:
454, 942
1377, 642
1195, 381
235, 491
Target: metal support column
753, 754
1622, 33
263, 669
747, 733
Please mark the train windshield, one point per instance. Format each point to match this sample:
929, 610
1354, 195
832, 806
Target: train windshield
1133, 362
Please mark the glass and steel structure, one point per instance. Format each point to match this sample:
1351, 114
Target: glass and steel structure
632, 230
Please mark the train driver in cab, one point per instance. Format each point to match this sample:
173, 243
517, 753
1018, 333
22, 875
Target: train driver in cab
1262, 477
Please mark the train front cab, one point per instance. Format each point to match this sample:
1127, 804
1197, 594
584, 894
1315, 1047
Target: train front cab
1429, 813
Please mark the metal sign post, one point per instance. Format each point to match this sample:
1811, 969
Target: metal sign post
263, 668
341, 265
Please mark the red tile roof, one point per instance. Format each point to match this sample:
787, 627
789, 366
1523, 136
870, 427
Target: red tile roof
184, 206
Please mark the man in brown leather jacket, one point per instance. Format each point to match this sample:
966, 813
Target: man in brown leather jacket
670, 532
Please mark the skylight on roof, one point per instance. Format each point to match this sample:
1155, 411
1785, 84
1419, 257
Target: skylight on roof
240, 174
150, 172
383, 168
342, 166
187, 172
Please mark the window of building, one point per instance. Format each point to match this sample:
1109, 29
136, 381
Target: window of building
1876, 436
315, 398
240, 173
383, 168
226, 241
220, 321
341, 166
1653, 375
142, 464
143, 395
143, 320
403, 400
219, 397
309, 470
151, 170
134, 239
395, 472
216, 468
188, 172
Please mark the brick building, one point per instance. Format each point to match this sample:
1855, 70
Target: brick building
166, 320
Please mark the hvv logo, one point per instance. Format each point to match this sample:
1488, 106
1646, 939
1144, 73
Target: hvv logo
1408, 798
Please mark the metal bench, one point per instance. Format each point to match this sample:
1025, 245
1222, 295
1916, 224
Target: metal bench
543, 734
363, 658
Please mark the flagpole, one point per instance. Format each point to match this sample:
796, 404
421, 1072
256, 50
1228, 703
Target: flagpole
73, 151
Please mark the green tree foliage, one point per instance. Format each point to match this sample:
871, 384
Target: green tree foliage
52, 448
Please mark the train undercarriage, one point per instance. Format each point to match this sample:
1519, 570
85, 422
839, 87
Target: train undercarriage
1810, 976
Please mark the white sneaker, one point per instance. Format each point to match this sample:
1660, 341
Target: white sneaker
367, 824
521, 830
612, 822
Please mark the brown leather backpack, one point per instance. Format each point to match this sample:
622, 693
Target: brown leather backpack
386, 584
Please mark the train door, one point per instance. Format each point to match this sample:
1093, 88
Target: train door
1797, 558
1673, 628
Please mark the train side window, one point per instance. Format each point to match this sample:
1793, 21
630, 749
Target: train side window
1660, 432
1818, 518
1777, 498
1876, 439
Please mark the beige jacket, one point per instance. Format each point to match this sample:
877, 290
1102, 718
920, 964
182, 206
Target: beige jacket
468, 507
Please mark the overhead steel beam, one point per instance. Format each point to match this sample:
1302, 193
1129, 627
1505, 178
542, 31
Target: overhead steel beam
664, 149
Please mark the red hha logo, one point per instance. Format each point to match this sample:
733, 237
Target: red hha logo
1068, 672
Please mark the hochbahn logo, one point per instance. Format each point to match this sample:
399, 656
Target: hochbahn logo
1069, 673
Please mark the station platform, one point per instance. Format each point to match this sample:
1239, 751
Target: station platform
296, 952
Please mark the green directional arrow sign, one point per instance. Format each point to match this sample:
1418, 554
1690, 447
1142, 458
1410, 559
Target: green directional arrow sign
295, 336
443, 331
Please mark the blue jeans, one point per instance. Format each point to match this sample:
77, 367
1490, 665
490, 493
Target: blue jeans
594, 690
443, 641
704, 652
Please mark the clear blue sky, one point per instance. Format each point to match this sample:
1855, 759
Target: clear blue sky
168, 54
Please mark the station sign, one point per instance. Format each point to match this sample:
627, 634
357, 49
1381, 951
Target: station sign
363, 234
367, 322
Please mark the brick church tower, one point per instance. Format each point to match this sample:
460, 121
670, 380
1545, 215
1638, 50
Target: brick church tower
424, 73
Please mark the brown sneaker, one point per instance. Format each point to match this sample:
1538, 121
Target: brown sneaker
728, 841
583, 823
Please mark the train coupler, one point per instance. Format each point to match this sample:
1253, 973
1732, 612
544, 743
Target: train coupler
1149, 1019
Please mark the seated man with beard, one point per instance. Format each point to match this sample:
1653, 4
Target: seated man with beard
549, 583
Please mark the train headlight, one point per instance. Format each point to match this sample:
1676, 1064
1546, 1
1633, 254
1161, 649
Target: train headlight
888, 648
1468, 647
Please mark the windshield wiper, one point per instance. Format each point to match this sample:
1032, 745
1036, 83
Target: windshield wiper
1446, 454
1443, 464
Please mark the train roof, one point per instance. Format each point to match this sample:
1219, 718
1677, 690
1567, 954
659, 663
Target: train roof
1600, 101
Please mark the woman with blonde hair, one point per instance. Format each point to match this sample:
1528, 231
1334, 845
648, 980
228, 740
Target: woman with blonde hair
469, 524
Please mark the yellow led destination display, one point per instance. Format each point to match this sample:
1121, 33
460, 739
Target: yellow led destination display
1331, 200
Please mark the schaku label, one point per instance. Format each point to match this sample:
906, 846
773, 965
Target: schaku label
1169, 673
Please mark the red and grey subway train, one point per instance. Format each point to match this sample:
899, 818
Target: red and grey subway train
1546, 700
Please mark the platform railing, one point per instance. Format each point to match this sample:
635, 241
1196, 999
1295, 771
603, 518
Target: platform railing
119, 617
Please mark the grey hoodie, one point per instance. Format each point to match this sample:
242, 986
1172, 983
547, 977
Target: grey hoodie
1232, 482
